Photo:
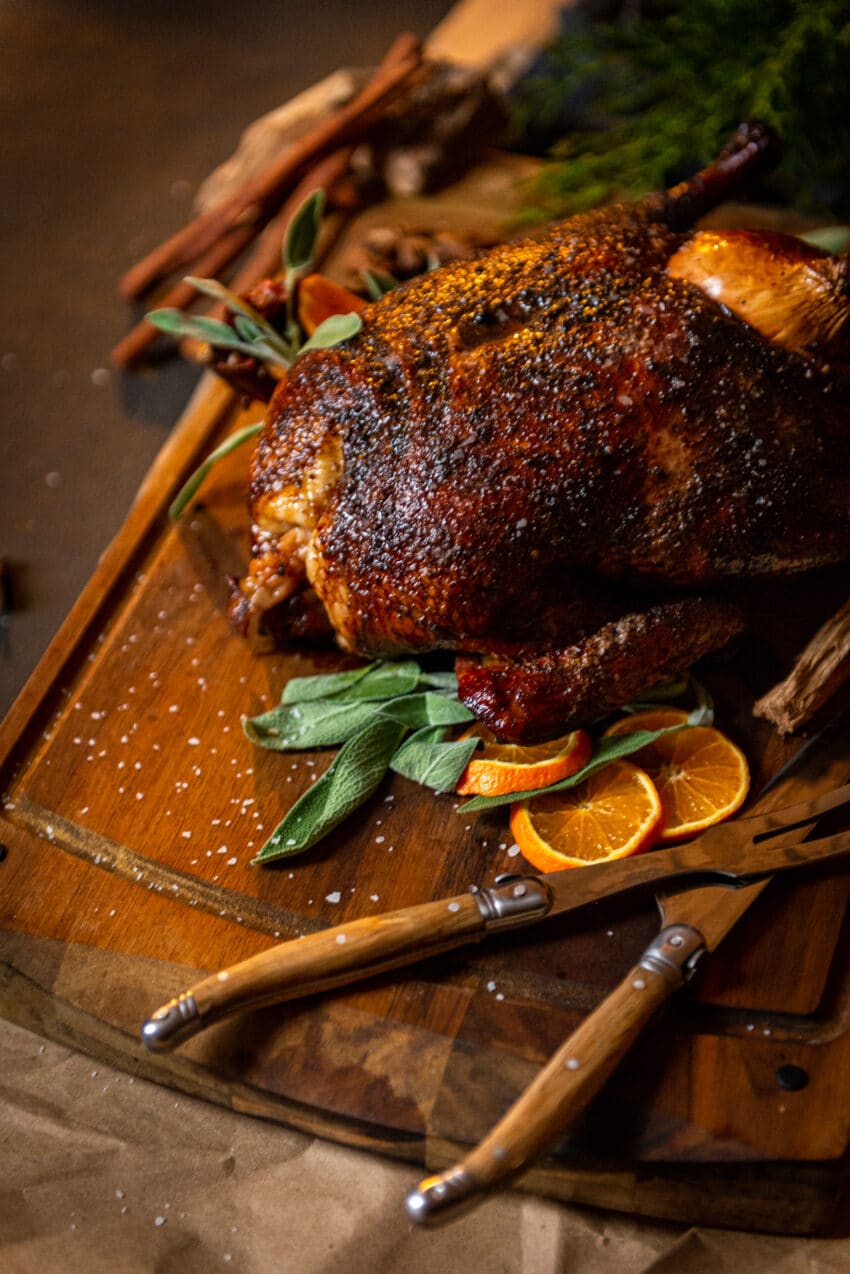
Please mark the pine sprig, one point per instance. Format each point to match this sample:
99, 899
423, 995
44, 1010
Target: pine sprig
649, 99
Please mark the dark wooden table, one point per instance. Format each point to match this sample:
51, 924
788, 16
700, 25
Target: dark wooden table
111, 114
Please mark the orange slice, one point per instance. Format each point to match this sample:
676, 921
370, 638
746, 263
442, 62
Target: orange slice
501, 768
614, 813
651, 719
701, 777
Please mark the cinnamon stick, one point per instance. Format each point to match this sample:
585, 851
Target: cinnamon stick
818, 673
130, 349
264, 260
347, 125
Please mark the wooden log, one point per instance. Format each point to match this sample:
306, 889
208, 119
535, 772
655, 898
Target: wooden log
819, 672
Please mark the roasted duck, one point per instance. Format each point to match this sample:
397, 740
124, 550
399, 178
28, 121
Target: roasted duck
552, 459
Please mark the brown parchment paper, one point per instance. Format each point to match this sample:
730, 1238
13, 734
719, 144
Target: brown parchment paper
101, 1172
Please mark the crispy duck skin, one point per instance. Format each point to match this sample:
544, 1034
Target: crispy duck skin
516, 450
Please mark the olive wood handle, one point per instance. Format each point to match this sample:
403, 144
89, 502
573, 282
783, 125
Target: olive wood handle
346, 954
565, 1086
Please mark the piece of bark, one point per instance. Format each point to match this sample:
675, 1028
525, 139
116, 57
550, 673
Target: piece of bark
818, 673
267, 138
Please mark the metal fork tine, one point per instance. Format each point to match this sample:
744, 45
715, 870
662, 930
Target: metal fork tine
785, 822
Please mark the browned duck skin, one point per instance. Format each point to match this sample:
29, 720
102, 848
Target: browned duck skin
510, 442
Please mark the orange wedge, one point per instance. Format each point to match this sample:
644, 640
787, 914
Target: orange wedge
319, 298
498, 769
701, 777
614, 813
651, 719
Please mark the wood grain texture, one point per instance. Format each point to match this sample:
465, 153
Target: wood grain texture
134, 803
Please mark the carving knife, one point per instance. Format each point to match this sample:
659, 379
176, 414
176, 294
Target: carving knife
733, 854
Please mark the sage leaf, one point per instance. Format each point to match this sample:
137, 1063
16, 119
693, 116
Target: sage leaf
443, 682
299, 245
310, 724
240, 307
377, 283
246, 328
353, 776
191, 485
322, 685
831, 238
337, 328
383, 679
605, 751
200, 329
658, 696
428, 758
218, 292
387, 680
425, 708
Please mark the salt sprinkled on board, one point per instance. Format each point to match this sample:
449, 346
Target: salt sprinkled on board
333, 897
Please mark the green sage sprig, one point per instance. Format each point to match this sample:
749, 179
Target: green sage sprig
369, 711
254, 335
377, 283
251, 333
190, 486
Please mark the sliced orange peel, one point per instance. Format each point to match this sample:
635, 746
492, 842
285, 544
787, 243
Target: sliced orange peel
500, 768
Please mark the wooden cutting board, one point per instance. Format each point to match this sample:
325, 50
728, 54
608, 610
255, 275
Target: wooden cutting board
134, 803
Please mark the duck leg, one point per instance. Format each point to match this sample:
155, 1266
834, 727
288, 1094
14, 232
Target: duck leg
542, 696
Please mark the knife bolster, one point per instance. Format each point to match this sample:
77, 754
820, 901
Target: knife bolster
674, 954
513, 901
